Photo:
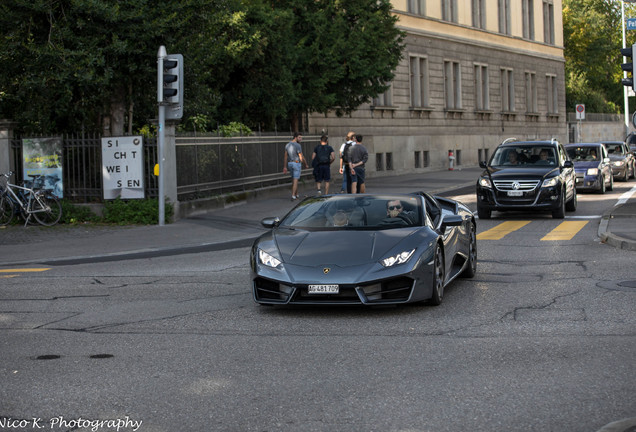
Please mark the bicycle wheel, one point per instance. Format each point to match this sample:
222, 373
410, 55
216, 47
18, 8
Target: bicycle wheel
46, 209
6, 210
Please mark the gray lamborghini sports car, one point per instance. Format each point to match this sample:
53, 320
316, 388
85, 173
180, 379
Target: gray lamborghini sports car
364, 249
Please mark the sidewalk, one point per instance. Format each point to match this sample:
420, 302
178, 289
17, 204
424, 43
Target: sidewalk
235, 225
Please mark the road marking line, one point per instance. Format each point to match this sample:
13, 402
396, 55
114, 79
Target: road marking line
500, 231
624, 197
565, 231
24, 270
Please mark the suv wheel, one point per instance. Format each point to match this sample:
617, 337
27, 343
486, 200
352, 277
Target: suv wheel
611, 185
571, 205
483, 213
602, 188
560, 212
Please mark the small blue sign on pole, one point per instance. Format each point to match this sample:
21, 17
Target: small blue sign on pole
630, 24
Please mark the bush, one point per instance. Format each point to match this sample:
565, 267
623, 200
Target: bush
143, 212
118, 211
74, 214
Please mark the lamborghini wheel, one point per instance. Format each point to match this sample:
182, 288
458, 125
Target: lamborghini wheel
438, 277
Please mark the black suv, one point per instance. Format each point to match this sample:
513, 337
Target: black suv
527, 175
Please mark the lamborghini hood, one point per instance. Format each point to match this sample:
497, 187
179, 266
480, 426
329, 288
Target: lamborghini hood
348, 248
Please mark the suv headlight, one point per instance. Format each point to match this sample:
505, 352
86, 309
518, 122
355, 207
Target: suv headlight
592, 171
550, 182
485, 182
618, 163
267, 259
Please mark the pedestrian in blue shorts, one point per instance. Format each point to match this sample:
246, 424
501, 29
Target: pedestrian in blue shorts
293, 162
321, 160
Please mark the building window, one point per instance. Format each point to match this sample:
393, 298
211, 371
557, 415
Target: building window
452, 85
507, 90
479, 14
527, 10
548, 22
553, 106
426, 159
531, 92
418, 159
384, 99
504, 16
419, 81
417, 7
449, 10
379, 161
389, 161
482, 88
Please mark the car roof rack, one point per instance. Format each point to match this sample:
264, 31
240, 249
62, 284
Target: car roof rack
507, 140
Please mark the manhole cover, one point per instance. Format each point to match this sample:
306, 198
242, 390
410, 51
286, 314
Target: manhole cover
627, 286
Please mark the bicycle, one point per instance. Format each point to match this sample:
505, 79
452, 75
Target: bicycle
28, 201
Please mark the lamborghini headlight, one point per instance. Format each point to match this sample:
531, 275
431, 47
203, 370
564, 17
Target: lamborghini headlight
550, 182
400, 258
267, 259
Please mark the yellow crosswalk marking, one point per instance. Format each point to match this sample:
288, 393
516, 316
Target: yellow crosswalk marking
23, 270
565, 231
500, 231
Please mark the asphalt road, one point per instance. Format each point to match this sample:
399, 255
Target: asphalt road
542, 339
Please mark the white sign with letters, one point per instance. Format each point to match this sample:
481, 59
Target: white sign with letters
123, 167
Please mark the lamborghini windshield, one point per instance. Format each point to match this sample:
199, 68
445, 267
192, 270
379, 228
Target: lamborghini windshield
356, 212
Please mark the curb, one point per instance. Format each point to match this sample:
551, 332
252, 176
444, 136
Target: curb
612, 239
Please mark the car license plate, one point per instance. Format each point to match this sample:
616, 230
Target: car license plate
324, 289
515, 193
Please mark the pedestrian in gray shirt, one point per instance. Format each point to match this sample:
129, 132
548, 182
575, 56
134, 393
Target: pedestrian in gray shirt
358, 157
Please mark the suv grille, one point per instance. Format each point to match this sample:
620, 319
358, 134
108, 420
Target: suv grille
521, 185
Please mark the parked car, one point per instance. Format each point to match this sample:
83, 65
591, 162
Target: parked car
364, 249
527, 176
592, 166
623, 164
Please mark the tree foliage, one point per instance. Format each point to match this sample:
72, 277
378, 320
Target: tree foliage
73, 65
593, 38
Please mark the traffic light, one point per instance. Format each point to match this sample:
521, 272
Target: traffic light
170, 88
628, 67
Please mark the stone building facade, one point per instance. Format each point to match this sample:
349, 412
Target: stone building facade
473, 73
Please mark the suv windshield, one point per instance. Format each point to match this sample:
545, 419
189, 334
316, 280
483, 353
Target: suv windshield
524, 156
578, 154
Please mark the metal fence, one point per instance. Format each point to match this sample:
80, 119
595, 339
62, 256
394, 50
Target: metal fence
82, 167
206, 166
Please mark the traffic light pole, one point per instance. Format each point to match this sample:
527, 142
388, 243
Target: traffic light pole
625, 89
161, 55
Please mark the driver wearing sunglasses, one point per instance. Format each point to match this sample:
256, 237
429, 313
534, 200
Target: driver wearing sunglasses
394, 208
396, 214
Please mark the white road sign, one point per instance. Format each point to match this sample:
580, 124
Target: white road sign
123, 167
580, 111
